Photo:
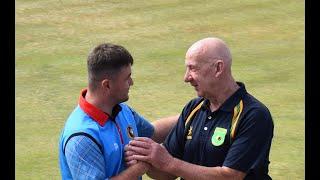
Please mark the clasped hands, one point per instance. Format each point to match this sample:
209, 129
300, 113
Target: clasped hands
143, 149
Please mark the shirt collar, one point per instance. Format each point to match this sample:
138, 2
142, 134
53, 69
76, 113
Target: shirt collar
231, 102
234, 99
95, 113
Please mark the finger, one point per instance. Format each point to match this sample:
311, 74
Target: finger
132, 162
126, 147
141, 158
141, 144
139, 150
129, 153
136, 158
143, 139
129, 158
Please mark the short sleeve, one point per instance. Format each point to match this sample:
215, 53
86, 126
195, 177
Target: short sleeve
84, 158
145, 128
252, 143
174, 142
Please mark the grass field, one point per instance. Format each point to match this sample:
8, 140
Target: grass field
53, 39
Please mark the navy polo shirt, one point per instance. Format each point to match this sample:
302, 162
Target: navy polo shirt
248, 151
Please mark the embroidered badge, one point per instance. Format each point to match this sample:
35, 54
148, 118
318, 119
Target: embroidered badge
218, 136
189, 136
130, 132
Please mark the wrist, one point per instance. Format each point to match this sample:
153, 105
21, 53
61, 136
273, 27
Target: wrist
171, 165
143, 166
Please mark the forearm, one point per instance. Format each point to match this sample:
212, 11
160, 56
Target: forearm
162, 127
147, 150
157, 174
190, 171
133, 172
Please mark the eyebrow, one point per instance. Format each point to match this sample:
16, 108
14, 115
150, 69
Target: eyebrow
191, 65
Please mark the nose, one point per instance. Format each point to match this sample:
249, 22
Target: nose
187, 76
131, 82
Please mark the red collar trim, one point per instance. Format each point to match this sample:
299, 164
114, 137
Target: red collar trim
96, 114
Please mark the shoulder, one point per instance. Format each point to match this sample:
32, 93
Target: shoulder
255, 112
127, 109
190, 106
81, 140
193, 103
80, 123
253, 105
81, 144
124, 106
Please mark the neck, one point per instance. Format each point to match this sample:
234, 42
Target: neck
100, 101
223, 93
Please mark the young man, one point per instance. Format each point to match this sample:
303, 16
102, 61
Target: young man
225, 133
96, 132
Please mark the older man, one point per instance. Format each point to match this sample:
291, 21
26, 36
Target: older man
225, 133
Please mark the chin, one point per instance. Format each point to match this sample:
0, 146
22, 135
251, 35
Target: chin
123, 100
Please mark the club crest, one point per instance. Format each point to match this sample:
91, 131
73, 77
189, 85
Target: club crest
130, 132
218, 136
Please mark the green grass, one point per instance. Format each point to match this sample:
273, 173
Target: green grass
53, 39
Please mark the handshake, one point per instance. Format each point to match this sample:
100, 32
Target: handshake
148, 155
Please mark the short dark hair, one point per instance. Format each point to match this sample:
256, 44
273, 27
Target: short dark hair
106, 60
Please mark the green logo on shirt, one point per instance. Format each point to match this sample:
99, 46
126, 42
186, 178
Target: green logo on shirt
218, 136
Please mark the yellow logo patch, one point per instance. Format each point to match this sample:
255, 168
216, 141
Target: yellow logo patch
189, 136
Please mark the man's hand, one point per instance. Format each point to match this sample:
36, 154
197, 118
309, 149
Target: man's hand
143, 167
128, 153
146, 150
133, 172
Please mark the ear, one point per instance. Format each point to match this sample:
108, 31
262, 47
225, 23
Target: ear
106, 84
219, 66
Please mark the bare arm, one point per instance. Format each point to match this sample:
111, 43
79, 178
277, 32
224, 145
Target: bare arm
162, 127
133, 172
158, 174
191, 171
154, 153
